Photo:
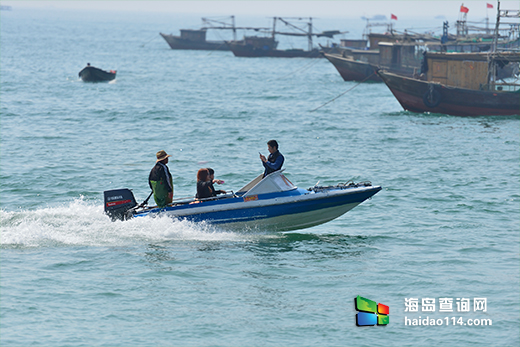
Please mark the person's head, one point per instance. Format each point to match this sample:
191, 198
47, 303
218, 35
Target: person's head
162, 157
203, 175
272, 146
211, 173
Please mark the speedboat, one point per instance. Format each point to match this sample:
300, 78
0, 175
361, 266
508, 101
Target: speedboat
270, 203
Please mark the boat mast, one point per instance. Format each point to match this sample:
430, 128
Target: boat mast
274, 26
310, 34
234, 28
497, 24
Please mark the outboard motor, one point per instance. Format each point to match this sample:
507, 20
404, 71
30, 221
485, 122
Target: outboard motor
118, 202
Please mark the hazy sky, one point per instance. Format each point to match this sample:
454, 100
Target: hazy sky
347, 8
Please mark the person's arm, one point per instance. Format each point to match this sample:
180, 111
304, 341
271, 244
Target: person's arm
166, 178
277, 165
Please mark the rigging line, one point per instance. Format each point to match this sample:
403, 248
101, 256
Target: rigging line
218, 47
316, 60
147, 42
345, 92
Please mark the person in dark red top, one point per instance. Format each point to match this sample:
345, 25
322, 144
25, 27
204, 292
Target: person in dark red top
203, 185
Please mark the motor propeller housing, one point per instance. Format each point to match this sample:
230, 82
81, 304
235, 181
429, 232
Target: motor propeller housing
118, 202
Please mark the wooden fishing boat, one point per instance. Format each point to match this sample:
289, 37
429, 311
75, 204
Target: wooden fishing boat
196, 39
402, 53
351, 69
266, 46
193, 39
420, 96
463, 84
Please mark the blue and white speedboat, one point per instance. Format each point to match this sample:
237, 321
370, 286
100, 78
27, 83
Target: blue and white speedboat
270, 203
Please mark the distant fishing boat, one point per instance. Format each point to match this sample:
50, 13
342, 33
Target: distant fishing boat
395, 52
351, 69
94, 74
196, 39
402, 53
268, 203
266, 46
462, 84
459, 84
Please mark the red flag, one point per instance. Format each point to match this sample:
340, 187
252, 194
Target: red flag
464, 9
393, 16
489, 6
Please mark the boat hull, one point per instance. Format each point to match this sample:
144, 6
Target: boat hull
353, 70
175, 42
93, 74
421, 96
240, 50
296, 210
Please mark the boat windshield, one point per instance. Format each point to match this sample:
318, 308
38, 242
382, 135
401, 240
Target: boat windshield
275, 182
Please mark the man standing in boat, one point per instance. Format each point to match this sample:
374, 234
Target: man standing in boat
160, 180
275, 160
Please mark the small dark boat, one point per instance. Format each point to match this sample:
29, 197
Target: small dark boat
93, 74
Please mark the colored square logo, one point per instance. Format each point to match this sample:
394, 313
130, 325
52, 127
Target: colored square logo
370, 312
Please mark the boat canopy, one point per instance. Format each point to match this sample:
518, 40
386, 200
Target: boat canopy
275, 182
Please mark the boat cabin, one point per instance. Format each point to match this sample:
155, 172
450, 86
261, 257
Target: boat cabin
471, 70
375, 39
366, 56
193, 35
260, 42
400, 56
357, 44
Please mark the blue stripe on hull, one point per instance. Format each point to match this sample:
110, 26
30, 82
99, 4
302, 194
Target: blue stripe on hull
258, 213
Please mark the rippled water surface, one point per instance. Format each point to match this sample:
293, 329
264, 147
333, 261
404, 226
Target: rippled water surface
445, 225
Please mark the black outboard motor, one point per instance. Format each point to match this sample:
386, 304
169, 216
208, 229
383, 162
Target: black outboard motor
118, 202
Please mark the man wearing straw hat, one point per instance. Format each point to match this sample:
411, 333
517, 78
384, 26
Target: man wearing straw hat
160, 180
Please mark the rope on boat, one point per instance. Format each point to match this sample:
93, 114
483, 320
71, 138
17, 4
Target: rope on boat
305, 67
147, 42
345, 92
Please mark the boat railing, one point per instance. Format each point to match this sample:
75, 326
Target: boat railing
190, 200
502, 87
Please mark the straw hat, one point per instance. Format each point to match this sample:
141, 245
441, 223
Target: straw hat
161, 155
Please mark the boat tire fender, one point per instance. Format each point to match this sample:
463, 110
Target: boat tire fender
432, 98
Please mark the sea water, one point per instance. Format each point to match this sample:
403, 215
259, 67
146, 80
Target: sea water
444, 227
